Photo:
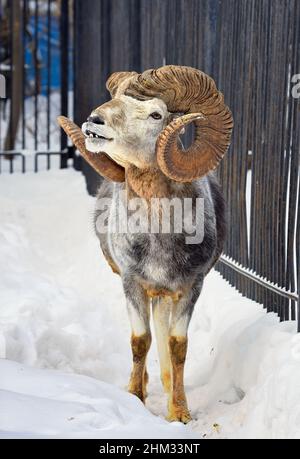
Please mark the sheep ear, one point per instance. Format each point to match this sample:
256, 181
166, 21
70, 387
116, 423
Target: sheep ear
117, 82
102, 164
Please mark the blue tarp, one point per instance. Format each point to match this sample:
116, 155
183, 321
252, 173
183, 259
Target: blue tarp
43, 53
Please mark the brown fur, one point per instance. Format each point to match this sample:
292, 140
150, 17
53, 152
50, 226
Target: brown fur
111, 263
152, 183
147, 183
113, 266
140, 346
178, 410
153, 292
167, 381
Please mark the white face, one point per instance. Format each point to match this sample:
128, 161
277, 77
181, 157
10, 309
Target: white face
126, 129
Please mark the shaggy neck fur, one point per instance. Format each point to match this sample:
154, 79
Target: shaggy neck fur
152, 183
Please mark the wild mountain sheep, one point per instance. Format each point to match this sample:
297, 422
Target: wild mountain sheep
133, 142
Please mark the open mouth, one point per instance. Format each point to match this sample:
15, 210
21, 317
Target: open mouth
92, 135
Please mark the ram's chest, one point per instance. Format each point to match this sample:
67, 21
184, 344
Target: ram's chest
161, 260
154, 258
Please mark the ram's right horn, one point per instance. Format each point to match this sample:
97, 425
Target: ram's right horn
102, 164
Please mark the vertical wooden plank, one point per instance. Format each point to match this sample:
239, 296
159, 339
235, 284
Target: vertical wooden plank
92, 48
297, 147
153, 16
125, 36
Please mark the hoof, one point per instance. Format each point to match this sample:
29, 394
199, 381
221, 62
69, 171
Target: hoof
179, 414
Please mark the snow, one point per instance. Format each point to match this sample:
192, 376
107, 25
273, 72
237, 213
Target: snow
47, 403
64, 336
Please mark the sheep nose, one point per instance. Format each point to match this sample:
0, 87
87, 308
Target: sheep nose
96, 119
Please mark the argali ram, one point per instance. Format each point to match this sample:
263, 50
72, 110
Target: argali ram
133, 142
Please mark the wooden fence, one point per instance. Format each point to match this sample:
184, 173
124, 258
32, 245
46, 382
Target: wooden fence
252, 50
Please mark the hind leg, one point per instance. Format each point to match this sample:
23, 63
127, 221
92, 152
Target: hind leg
178, 342
161, 315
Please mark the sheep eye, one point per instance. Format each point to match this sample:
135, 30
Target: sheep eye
156, 116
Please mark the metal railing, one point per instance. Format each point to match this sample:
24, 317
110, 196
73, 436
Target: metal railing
36, 59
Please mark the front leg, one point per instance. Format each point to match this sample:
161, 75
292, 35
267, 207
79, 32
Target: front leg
178, 342
161, 316
139, 314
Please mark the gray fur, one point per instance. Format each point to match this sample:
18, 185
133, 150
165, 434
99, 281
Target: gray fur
165, 261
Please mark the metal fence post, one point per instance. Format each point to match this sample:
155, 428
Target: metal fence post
64, 69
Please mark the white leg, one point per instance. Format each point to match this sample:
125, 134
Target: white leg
161, 316
138, 306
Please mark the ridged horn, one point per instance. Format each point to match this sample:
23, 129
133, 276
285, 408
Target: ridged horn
99, 161
118, 82
192, 92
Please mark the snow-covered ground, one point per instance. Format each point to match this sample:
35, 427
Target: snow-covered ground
64, 336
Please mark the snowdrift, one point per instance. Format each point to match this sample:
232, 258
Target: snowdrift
64, 336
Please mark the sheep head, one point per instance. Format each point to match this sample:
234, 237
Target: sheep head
140, 126
126, 129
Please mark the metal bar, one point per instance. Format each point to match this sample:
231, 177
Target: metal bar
257, 278
33, 152
48, 155
48, 72
74, 20
36, 71
11, 24
24, 73
12, 155
64, 68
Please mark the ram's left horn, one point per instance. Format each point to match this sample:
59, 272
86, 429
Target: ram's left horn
102, 164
